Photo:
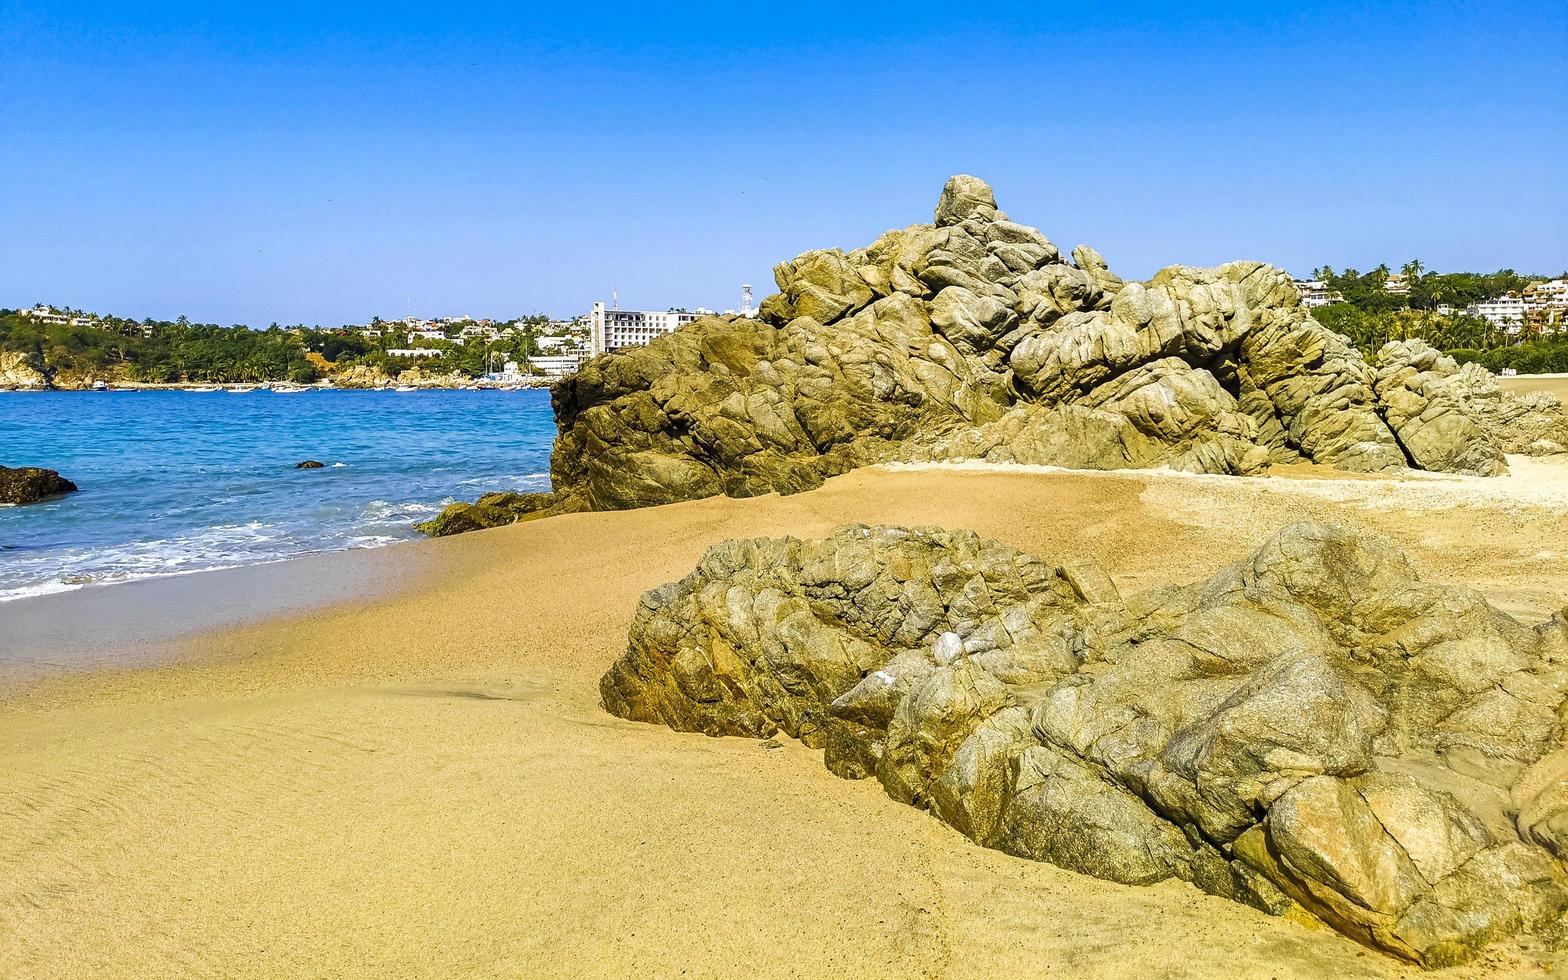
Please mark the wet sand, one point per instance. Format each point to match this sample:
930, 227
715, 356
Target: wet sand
424, 784
133, 623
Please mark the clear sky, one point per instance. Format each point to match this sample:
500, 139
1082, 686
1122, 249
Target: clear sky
322, 163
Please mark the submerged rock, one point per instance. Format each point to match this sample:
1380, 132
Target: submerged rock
309, 464
973, 337
1312, 730
26, 484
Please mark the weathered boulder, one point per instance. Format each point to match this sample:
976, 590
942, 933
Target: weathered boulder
1438, 417
26, 484
1312, 730
21, 371
973, 337
491, 510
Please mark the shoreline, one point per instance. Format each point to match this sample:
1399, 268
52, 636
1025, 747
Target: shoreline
304, 792
133, 624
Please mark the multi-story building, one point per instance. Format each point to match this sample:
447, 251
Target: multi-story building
1397, 284
1315, 293
1546, 304
1505, 312
613, 329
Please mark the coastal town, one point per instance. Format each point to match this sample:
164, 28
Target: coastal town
1471, 315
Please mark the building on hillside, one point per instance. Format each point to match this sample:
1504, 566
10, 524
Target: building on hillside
48, 314
481, 330
1505, 312
1546, 304
613, 329
414, 353
1315, 293
1397, 284
427, 333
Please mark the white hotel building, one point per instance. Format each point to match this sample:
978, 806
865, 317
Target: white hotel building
1506, 312
614, 329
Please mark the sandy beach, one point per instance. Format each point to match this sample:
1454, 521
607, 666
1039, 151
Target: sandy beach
423, 782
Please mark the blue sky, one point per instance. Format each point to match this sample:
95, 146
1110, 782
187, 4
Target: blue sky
291, 163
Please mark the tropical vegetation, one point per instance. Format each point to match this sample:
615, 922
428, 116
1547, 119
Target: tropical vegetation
182, 351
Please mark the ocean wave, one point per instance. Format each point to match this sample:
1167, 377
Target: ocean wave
523, 479
387, 510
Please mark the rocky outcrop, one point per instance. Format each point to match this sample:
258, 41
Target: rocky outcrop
1311, 731
19, 371
309, 464
974, 337
26, 484
491, 510
361, 376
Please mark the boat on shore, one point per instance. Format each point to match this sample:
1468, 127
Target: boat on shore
289, 389
405, 388
205, 389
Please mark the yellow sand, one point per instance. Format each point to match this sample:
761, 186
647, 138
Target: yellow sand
424, 785
1557, 384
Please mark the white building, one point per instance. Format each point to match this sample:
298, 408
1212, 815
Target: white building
558, 365
1396, 284
1315, 293
1546, 303
413, 352
1506, 312
614, 329
48, 314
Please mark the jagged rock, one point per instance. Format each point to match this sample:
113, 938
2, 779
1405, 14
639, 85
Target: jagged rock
1312, 730
309, 464
361, 376
26, 484
973, 338
21, 371
1438, 421
491, 510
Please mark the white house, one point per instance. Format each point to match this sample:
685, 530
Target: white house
1315, 293
413, 352
1506, 312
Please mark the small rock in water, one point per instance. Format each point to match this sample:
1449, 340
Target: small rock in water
25, 484
309, 464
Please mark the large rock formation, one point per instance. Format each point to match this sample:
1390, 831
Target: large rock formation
975, 338
1310, 731
20, 371
26, 484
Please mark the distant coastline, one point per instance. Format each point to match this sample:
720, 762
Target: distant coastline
393, 385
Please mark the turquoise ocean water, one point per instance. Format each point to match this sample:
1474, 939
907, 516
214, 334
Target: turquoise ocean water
175, 481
